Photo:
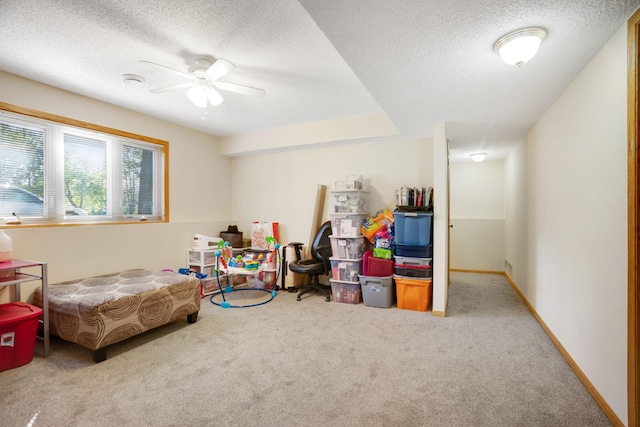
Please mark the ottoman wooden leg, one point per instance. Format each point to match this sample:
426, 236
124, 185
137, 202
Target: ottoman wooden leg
191, 318
99, 355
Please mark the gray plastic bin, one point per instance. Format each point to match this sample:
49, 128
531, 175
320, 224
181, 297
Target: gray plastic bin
377, 291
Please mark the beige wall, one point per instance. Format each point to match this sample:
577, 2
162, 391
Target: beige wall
574, 214
477, 215
282, 186
200, 195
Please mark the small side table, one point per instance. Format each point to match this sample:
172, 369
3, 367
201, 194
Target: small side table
16, 277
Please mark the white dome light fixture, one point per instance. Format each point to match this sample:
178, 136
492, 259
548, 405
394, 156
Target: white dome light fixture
520, 46
478, 157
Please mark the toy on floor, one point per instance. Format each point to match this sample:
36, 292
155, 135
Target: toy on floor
191, 271
250, 267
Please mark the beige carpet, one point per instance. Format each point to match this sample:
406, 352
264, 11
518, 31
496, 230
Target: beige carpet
313, 363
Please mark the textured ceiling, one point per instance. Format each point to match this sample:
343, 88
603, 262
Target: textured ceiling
417, 61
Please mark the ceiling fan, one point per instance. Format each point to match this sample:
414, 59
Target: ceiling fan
204, 78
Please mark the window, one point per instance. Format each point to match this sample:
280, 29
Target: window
55, 170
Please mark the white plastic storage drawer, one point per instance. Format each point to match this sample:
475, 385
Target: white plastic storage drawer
205, 257
347, 247
347, 225
346, 270
348, 201
345, 291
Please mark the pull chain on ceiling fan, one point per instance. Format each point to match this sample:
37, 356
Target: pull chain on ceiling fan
204, 79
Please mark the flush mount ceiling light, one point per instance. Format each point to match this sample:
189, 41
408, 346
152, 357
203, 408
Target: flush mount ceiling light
520, 46
133, 79
478, 157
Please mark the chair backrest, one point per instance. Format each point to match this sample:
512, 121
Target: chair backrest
322, 243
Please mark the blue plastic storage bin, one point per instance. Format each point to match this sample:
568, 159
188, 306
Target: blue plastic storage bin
414, 251
413, 228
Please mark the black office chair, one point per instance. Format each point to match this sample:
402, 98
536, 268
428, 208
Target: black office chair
317, 265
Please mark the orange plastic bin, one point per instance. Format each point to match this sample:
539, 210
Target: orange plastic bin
412, 293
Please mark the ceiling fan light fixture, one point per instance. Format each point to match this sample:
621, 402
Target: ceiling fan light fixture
203, 82
214, 97
198, 96
478, 157
201, 103
520, 46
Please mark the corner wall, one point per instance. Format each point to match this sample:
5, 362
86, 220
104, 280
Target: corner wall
572, 214
516, 214
199, 194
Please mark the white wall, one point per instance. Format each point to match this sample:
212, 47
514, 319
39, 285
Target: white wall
477, 215
200, 197
440, 264
282, 186
516, 214
576, 201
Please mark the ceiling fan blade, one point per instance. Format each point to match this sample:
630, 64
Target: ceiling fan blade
172, 87
171, 70
245, 90
219, 68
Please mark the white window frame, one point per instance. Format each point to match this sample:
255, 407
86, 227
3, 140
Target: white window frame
55, 127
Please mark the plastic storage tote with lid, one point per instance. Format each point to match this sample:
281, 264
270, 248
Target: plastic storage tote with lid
18, 327
348, 201
376, 267
377, 291
413, 251
346, 270
345, 291
413, 228
411, 271
413, 293
347, 224
412, 261
347, 247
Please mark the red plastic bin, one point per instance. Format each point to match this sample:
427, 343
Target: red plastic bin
18, 328
376, 267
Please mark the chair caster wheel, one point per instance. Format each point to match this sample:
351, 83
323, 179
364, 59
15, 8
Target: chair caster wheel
298, 298
327, 299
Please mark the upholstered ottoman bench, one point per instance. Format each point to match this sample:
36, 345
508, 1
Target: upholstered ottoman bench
104, 310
